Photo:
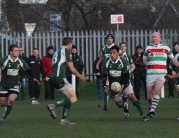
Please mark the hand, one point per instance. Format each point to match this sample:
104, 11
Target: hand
97, 66
46, 79
122, 86
98, 74
147, 64
38, 82
82, 78
173, 72
106, 89
169, 77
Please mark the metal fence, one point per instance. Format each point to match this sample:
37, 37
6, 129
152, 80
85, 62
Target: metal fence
88, 43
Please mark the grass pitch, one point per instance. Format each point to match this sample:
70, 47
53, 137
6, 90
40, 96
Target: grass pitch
34, 121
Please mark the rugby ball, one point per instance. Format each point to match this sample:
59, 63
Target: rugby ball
115, 87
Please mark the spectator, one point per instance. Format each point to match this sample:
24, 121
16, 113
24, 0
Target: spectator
47, 63
22, 75
98, 77
78, 64
139, 72
36, 65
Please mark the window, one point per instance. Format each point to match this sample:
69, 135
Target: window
55, 21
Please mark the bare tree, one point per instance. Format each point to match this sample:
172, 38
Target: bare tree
14, 15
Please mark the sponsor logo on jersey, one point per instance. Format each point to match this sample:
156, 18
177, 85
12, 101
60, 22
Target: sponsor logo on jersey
70, 56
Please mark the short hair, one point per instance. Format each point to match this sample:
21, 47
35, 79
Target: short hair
115, 48
123, 43
12, 46
67, 40
35, 49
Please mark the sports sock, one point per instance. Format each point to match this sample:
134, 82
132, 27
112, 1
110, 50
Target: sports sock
124, 99
155, 101
138, 107
65, 101
106, 97
66, 109
7, 110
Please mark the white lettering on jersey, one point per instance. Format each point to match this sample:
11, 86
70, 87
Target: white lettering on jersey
12, 72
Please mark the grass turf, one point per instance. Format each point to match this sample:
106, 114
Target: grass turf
34, 121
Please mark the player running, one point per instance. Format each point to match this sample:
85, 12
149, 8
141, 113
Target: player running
116, 69
131, 67
106, 54
62, 58
155, 58
10, 81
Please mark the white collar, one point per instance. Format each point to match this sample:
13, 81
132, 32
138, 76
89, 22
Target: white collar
114, 61
124, 54
110, 45
9, 57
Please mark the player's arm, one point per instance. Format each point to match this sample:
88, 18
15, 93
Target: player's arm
101, 58
145, 57
132, 67
175, 62
27, 69
125, 75
71, 67
104, 72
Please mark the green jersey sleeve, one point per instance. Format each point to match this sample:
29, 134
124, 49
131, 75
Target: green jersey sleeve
104, 69
68, 55
125, 68
24, 65
2, 60
130, 59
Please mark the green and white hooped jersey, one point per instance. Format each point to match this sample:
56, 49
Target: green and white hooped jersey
157, 57
10, 70
59, 62
106, 50
115, 69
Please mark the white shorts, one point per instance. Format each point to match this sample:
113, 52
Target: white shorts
66, 86
125, 92
151, 79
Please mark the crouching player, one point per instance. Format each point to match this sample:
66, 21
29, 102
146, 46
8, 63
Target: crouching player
115, 68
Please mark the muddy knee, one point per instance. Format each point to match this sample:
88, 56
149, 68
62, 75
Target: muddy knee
11, 102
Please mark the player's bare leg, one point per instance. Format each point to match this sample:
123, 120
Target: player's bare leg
70, 98
8, 103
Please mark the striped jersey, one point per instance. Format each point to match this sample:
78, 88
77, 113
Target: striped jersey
157, 57
59, 62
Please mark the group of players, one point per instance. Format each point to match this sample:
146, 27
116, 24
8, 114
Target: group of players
117, 66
